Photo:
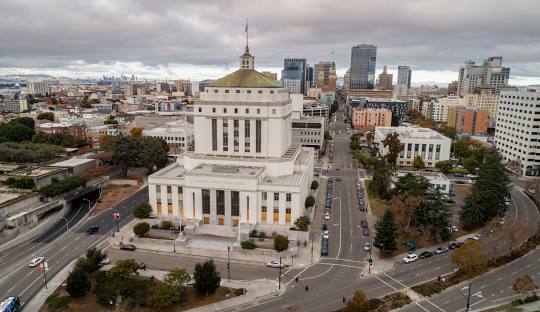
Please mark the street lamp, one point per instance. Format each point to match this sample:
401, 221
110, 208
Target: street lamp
173, 238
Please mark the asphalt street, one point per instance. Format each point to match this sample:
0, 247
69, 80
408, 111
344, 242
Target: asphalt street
25, 281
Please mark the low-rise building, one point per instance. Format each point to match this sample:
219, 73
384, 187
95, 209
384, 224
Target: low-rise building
489, 102
398, 108
64, 128
366, 119
437, 180
468, 120
428, 144
178, 135
309, 131
16, 106
370, 93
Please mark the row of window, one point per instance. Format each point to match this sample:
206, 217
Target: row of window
425, 147
518, 97
248, 91
214, 110
236, 133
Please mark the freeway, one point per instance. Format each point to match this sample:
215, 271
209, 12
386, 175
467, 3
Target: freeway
25, 281
344, 270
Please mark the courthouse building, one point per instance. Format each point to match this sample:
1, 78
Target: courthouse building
244, 169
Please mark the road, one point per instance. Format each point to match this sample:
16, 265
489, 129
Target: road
25, 281
344, 270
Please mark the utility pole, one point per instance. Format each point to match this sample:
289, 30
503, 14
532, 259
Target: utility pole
279, 278
311, 249
468, 297
229, 264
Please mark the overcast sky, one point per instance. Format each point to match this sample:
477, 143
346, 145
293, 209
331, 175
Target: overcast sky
203, 39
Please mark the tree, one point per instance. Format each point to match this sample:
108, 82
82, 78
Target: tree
15, 132
393, 145
248, 245
77, 283
314, 185
142, 211
136, 133
461, 149
302, 223
123, 269
141, 229
310, 201
110, 121
490, 190
153, 153
358, 302
93, 259
162, 296
206, 278
470, 259
385, 233
381, 181
327, 136
447, 130
124, 153
25, 121
177, 277
281, 243
444, 166
470, 163
411, 185
46, 116
418, 163
524, 285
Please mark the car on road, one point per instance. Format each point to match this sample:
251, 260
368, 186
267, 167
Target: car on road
275, 264
326, 235
426, 254
474, 237
364, 223
36, 260
454, 245
326, 216
10, 304
92, 230
410, 258
367, 246
324, 227
365, 231
105, 261
441, 250
128, 247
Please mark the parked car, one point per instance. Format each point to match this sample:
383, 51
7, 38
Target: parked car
365, 231
364, 223
275, 264
459, 175
325, 227
105, 261
410, 258
441, 250
326, 216
367, 246
426, 254
92, 230
325, 235
36, 260
454, 245
128, 247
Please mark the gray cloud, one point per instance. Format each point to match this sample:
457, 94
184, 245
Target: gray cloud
429, 35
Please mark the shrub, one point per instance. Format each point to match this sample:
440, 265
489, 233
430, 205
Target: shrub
206, 278
281, 243
310, 201
141, 229
253, 233
165, 225
238, 291
142, 210
302, 223
314, 185
262, 235
248, 245
56, 302
77, 283
58, 187
21, 182
27, 152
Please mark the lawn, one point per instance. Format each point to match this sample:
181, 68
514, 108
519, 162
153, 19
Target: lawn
378, 206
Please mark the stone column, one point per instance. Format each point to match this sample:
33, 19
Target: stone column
228, 216
281, 208
213, 207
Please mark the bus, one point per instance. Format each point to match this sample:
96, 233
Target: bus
10, 304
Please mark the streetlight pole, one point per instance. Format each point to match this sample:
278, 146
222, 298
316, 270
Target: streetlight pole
67, 223
312, 249
279, 278
468, 297
228, 264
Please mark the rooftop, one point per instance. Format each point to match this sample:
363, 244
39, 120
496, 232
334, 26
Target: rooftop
246, 78
411, 132
72, 162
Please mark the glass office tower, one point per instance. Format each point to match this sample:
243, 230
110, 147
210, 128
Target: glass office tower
363, 61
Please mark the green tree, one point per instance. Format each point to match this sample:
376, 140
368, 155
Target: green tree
385, 233
248, 245
302, 223
77, 283
281, 243
206, 278
142, 211
381, 180
489, 192
393, 145
444, 166
110, 121
124, 153
153, 153
327, 136
123, 269
436, 216
310, 201
418, 163
358, 302
470, 163
314, 185
470, 259
92, 259
46, 116
162, 296
448, 131
461, 149
411, 185
15, 132
141, 229
25, 121
177, 277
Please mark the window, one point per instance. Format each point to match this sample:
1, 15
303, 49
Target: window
264, 195
200, 109
247, 110
215, 91
225, 110
213, 109
158, 189
276, 196
248, 91
220, 202
437, 152
258, 110
169, 189
236, 110
236, 140
205, 201
247, 135
226, 91
214, 134
260, 92
258, 136
273, 111
225, 135
235, 203
288, 197
237, 91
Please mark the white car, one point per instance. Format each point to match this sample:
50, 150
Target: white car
410, 258
37, 260
325, 235
275, 264
326, 216
105, 261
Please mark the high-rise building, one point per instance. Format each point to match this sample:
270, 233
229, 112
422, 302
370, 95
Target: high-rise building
517, 131
489, 102
38, 87
295, 69
16, 106
347, 80
269, 75
162, 87
403, 83
130, 89
324, 76
453, 87
309, 77
385, 80
293, 86
469, 120
490, 76
363, 62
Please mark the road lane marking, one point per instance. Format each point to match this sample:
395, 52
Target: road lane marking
422, 297
317, 276
516, 295
297, 275
418, 304
463, 309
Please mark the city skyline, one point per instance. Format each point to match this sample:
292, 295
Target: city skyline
170, 40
